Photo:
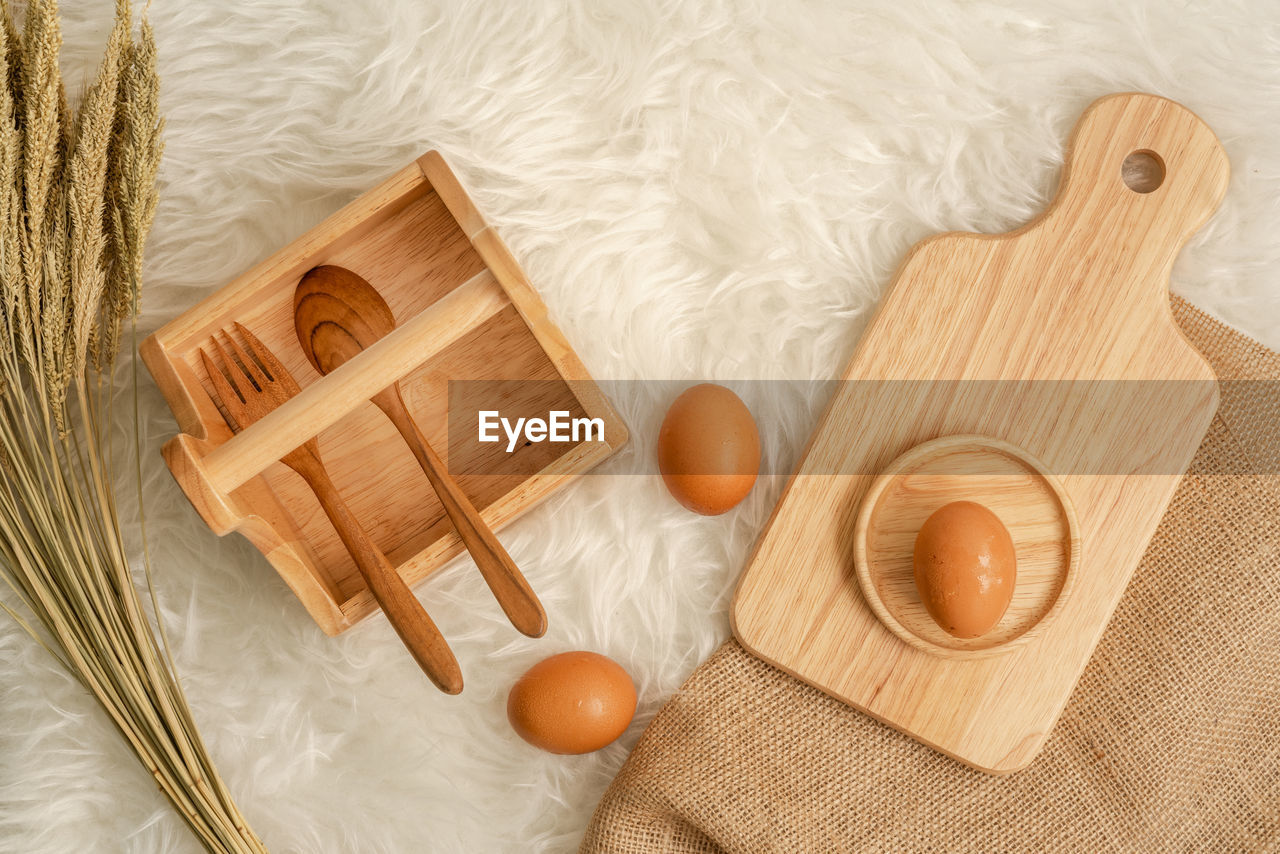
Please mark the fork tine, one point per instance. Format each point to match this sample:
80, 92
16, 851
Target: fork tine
231, 371
227, 398
250, 366
275, 370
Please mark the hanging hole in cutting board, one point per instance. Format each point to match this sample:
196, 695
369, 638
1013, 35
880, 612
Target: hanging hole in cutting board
1142, 171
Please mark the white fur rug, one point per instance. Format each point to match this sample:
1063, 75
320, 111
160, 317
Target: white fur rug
703, 190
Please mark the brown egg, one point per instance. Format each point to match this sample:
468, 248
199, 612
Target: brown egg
574, 702
965, 568
708, 449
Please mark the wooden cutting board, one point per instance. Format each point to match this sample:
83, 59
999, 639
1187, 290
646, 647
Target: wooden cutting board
1057, 338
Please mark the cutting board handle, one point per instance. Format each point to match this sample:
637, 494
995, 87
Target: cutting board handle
1144, 168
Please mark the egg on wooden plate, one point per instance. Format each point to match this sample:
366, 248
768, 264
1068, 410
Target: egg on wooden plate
965, 568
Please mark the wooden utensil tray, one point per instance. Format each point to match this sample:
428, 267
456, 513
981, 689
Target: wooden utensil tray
465, 311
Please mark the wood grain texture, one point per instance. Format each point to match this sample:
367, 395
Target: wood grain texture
322, 406
253, 383
499, 260
1080, 294
338, 315
459, 320
408, 617
1031, 503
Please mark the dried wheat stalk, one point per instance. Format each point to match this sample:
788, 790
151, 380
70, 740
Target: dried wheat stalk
77, 198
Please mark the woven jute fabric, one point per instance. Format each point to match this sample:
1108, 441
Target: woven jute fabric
1171, 740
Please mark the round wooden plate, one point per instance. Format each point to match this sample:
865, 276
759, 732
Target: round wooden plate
1012, 484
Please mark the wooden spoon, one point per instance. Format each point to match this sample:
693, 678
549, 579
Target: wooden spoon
337, 314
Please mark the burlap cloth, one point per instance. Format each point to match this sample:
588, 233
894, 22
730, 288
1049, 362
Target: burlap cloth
1171, 740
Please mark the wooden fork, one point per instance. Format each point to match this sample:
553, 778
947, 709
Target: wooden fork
251, 386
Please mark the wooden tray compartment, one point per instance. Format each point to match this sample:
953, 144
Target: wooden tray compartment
465, 311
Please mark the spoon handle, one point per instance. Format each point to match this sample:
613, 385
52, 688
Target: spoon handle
500, 572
